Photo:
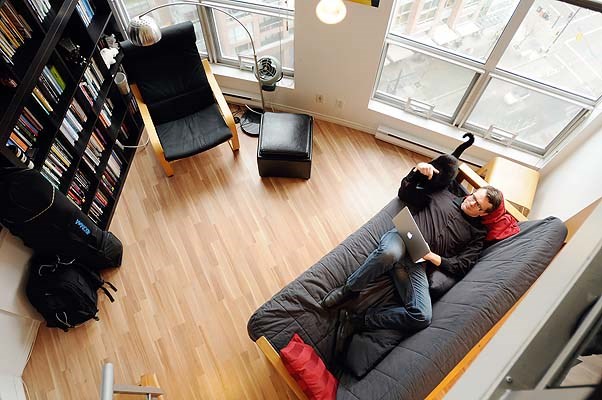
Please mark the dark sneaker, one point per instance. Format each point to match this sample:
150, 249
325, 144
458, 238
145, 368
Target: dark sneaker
337, 297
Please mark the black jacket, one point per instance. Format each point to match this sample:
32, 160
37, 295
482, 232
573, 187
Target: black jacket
450, 233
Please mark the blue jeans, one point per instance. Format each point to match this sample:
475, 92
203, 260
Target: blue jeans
410, 281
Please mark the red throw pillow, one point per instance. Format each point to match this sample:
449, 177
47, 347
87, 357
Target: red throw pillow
500, 224
308, 369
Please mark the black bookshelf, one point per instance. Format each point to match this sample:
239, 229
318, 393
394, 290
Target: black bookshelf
62, 116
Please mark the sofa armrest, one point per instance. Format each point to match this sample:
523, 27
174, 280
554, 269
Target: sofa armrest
274, 358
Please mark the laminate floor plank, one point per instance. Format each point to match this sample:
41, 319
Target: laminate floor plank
203, 250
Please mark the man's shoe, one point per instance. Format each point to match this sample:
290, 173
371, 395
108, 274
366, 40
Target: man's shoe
337, 296
349, 324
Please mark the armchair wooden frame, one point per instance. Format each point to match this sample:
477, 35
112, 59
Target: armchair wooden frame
152, 133
472, 178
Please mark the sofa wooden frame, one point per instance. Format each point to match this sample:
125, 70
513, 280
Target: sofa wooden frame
473, 179
150, 126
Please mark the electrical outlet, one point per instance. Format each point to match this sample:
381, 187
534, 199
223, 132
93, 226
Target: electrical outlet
339, 104
320, 98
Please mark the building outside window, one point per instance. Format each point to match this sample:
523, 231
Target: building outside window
520, 72
222, 39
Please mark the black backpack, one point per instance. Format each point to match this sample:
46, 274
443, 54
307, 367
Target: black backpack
64, 292
32, 209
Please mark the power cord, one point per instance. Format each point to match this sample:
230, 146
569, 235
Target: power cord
122, 146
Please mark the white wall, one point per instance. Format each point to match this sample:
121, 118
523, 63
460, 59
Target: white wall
338, 61
341, 62
11, 388
572, 181
19, 322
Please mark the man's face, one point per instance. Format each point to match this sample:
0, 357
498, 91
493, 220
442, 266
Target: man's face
477, 204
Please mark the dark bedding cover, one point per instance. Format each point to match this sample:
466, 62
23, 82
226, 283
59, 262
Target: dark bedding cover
384, 364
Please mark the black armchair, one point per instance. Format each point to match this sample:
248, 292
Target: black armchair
184, 110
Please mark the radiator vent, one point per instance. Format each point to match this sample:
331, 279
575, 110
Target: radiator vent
419, 145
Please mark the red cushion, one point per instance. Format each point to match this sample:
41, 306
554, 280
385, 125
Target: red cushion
308, 369
500, 224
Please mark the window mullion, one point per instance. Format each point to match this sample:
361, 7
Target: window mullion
500, 47
508, 33
208, 35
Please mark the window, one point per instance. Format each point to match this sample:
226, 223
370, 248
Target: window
520, 72
222, 39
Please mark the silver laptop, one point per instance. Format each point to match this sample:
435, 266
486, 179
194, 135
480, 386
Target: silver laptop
410, 234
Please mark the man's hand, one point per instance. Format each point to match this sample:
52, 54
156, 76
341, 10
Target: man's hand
427, 170
435, 259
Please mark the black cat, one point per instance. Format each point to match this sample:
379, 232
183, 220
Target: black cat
447, 165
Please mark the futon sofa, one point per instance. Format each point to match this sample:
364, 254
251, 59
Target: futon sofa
384, 364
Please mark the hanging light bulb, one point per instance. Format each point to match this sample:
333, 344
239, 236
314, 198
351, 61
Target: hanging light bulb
331, 11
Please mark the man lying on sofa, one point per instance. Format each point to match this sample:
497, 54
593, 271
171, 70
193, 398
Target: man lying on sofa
453, 229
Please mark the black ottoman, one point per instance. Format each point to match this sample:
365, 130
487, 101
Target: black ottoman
284, 147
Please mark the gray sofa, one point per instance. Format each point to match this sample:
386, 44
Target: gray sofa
384, 364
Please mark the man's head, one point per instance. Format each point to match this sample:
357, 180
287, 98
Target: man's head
482, 202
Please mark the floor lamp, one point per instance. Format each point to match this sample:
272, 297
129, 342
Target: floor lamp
144, 31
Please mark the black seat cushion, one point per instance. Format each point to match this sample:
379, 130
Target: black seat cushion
285, 135
181, 138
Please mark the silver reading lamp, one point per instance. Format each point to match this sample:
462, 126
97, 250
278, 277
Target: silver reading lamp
144, 31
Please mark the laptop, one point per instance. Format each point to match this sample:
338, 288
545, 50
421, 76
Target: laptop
410, 234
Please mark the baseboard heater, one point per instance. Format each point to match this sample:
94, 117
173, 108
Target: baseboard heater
418, 145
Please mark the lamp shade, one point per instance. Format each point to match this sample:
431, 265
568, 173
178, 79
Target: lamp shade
144, 31
331, 11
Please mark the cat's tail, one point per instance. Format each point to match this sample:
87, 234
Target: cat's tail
460, 149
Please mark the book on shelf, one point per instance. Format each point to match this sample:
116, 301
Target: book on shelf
49, 89
78, 189
41, 8
86, 11
41, 100
14, 31
24, 136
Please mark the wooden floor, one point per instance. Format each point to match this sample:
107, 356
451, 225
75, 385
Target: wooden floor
204, 249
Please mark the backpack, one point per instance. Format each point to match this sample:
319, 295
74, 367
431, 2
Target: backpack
64, 292
32, 209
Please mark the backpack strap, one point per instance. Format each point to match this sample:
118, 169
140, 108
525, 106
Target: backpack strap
108, 294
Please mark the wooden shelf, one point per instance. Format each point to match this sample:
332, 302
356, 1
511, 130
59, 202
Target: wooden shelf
63, 21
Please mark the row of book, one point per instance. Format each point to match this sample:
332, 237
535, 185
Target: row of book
96, 146
86, 10
72, 124
78, 189
56, 164
97, 209
25, 133
106, 113
111, 174
40, 8
14, 31
49, 88
92, 81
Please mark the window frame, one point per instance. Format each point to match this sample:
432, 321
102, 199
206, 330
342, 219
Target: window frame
210, 31
205, 18
484, 72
